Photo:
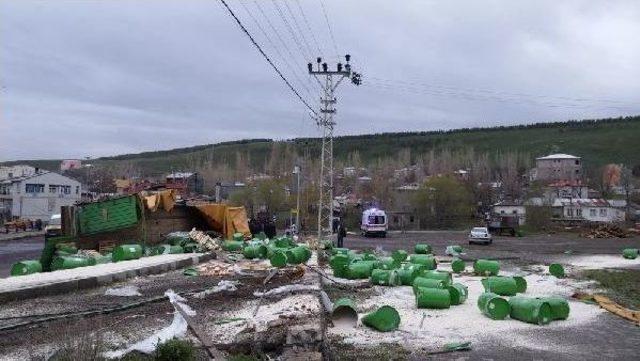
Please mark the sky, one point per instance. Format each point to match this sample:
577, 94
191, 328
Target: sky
95, 78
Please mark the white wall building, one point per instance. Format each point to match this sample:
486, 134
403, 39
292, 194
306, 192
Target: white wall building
39, 195
510, 209
588, 209
19, 170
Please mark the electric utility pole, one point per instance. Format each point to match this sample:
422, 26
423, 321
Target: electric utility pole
329, 81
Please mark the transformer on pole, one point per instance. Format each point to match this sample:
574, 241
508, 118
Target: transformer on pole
329, 81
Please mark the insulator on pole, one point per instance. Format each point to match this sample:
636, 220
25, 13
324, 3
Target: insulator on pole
325, 66
339, 66
310, 66
347, 57
319, 60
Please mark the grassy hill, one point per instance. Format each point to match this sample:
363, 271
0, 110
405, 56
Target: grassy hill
598, 141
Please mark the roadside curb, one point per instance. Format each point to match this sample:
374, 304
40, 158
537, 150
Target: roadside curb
13, 237
66, 286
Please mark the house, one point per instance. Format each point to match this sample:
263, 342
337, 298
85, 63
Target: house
566, 189
39, 195
20, 170
185, 182
587, 209
557, 167
510, 208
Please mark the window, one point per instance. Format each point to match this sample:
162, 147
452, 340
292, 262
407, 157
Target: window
411, 219
603, 212
570, 212
577, 162
376, 219
579, 212
77, 189
53, 188
515, 211
66, 189
34, 188
592, 212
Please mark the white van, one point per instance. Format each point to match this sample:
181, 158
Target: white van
374, 223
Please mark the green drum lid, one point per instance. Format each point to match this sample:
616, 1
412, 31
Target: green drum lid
458, 293
521, 284
399, 255
559, 307
556, 270
493, 306
630, 253
384, 319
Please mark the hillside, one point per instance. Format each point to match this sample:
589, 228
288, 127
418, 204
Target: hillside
598, 141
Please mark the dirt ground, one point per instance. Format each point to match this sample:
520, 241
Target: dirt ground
286, 325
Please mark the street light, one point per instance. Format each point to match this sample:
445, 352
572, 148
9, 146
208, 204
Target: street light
296, 171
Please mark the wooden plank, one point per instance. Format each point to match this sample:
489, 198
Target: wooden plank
213, 352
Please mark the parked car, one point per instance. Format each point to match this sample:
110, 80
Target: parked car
480, 235
54, 227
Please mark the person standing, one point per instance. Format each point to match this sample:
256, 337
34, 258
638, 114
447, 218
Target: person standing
342, 232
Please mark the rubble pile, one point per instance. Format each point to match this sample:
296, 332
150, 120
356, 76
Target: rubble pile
606, 231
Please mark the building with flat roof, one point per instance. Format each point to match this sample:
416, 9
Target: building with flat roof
558, 167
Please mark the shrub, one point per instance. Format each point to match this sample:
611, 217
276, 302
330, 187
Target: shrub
175, 350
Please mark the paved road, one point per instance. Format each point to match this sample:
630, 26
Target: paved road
19, 249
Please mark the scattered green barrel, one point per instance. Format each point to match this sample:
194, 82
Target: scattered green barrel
66, 248
69, 262
283, 242
345, 311
556, 270
422, 248
278, 259
453, 250
407, 274
559, 307
167, 249
232, 246
238, 237
26, 267
427, 297
384, 319
458, 293
485, 267
360, 270
457, 265
385, 277
531, 310
443, 276
126, 252
521, 284
630, 253
422, 282
503, 286
191, 247
369, 257
399, 255
425, 259
255, 250
493, 306
388, 263
338, 260
298, 255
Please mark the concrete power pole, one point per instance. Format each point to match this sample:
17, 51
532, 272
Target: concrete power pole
329, 81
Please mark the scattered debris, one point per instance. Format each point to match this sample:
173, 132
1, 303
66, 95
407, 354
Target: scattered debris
287, 289
190, 271
606, 231
224, 285
204, 240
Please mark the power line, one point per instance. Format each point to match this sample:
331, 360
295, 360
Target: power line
266, 57
284, 59
275, 31
291, 31
326, 18
297, 26
313, 36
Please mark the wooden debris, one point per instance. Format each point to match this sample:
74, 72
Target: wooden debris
606, 231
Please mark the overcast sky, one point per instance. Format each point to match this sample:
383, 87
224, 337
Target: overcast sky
93, 78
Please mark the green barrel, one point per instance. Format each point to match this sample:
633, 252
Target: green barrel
283, 242
422, 282
422, 248
369, 257
255, 250
427, 297
443, 276
355, 256
384, 319
173, 250
278, 259
458, 293
457, 265
425, 259
485, 267
630, 253
125, 252
456, 248
385, 277
344, 310
521, 284
556, 270
388, 263
66, 248
531, 310
238, 237
399, 255
338, 260
360, 269
336, 250
272, 248
407, 274
233, 246
26, 267
503, 286
69, 262
493, 306
559, 307
191, 247
298, 255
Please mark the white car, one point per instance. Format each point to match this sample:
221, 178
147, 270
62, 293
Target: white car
480, 235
